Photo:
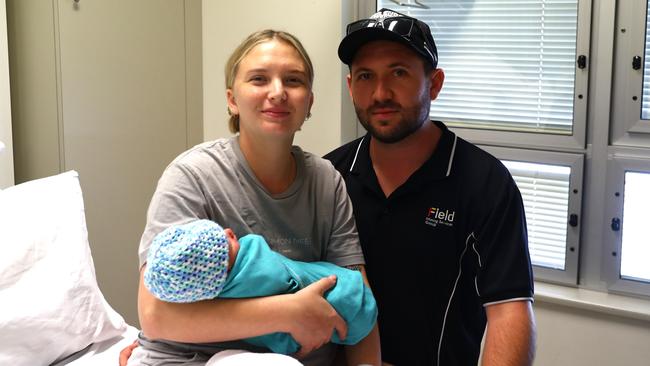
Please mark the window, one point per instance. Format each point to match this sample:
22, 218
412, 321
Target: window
545, 191
635, 249
628, 167
510, 67
632, 75
510, 64
552, 193
626, 234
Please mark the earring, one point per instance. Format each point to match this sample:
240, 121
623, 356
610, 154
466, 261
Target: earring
308, 116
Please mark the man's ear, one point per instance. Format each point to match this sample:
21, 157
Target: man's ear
437, 78
232, 104
349, 79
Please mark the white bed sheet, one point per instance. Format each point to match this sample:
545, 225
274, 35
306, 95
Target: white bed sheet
104, 353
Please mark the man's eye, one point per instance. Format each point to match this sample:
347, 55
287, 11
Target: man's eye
400, 72
364, 76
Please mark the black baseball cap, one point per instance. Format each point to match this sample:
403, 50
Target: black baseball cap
387, 24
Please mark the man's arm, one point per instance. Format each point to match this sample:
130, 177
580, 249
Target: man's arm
368, 351
306, 315
510, 335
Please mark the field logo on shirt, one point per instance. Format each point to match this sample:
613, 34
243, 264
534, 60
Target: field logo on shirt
438, 216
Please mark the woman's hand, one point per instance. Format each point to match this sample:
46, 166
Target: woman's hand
315, 319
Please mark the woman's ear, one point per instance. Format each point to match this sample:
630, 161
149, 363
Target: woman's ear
311, 103
232, 103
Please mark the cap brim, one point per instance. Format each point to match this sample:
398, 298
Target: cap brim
355, 40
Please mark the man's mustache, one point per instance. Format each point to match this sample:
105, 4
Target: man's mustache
384, 105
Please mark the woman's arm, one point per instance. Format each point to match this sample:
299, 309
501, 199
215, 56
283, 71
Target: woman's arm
306, 315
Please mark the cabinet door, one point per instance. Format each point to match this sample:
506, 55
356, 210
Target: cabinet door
122, 90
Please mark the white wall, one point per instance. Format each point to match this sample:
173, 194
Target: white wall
319, 26
6, 147
579, 337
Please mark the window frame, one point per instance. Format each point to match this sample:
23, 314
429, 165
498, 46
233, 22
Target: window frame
569, 275
628, 129
621, 161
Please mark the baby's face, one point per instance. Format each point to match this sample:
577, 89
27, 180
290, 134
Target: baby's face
233, 247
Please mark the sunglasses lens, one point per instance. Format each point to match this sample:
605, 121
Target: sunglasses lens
400, 26
359, 24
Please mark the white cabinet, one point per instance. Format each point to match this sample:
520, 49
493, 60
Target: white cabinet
111, 89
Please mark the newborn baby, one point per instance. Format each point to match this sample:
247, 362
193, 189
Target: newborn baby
200, 261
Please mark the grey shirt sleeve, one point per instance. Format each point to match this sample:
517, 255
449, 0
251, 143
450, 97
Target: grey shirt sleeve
344, 248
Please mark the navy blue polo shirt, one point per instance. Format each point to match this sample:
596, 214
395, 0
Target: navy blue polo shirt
449, 241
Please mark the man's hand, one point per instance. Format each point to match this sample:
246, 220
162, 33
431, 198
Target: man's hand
126, 353
315, 319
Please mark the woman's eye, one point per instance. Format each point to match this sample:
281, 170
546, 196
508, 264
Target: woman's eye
294, 81
257, 79
400, 72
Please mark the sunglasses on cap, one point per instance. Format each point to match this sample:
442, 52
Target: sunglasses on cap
404, 26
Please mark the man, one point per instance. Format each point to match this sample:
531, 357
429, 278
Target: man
441, 222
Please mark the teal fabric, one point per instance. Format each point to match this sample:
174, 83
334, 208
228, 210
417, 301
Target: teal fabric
259, 271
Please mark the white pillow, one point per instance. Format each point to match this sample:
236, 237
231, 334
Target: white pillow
50, 304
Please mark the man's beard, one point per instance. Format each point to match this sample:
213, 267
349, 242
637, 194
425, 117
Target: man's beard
412, 120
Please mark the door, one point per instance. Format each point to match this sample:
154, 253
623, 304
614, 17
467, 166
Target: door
123, 117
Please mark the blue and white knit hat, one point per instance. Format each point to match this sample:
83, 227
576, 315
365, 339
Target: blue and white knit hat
188, 263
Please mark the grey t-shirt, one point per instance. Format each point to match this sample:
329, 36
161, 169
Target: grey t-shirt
311, 221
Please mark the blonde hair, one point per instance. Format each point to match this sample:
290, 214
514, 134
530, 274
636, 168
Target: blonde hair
246, 46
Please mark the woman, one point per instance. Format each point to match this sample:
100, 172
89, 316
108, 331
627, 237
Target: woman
257, 182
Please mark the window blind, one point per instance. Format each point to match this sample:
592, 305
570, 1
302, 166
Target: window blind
509, 65
645, 104
545, 192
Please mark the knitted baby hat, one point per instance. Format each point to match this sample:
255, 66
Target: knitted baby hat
188, 263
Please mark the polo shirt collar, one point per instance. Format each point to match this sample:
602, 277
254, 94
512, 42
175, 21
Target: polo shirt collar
438, 166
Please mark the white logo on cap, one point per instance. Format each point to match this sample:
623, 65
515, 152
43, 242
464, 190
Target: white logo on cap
385, 14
